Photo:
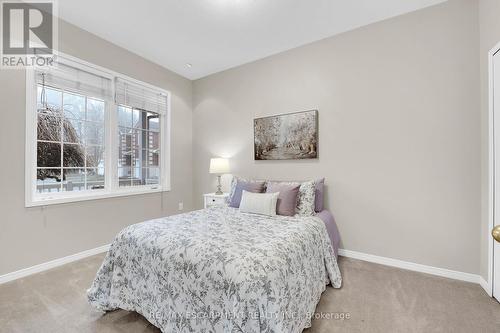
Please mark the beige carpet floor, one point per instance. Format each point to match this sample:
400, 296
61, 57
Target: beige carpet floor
373, 298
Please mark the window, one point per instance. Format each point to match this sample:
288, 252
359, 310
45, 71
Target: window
139, 147
70, 141
139, 121
86, 142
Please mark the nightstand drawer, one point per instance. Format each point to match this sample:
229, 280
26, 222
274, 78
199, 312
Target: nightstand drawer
212, 200
216, 201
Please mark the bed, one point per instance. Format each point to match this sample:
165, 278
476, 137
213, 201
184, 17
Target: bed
219, 270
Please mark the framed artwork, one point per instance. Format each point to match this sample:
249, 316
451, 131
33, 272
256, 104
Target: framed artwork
290, 136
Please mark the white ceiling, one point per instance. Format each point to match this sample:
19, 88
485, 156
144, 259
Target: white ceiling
214, 35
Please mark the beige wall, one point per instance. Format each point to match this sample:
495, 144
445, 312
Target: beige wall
489, 27
399, 131
30, 236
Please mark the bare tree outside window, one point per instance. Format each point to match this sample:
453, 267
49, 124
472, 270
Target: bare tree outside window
70, 141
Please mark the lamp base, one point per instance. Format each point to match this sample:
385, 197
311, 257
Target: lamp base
219, 187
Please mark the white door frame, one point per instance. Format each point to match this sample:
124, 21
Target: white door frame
491, 168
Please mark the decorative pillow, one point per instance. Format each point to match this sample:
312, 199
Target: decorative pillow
305, 203
259, 203
287, 197
234, 181
306, 197
240, 185
319, 195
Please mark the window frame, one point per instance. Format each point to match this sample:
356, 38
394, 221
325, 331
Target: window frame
111, 181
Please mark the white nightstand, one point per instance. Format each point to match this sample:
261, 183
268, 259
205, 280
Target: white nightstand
212, 199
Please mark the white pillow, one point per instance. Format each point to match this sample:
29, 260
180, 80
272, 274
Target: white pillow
259, 203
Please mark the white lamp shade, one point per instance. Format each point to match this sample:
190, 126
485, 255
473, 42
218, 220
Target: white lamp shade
219, 165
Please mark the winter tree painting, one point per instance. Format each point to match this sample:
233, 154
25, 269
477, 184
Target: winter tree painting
286, 137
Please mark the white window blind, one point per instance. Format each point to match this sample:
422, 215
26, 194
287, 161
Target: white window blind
77, 80
139, 96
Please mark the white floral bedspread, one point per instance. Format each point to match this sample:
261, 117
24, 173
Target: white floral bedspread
219, 270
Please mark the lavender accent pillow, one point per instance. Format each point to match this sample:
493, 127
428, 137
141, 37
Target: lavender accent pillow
249, 186
287, 197
306, 198
235, 181
319, 195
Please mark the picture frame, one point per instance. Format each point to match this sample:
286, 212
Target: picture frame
289, 136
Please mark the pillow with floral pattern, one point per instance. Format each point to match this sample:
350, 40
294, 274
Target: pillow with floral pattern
306, 198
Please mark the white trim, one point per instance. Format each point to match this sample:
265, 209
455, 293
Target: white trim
52, 264
491, 170
76, 197
30, 136
166, 137
112, 188
456, 275
486, 286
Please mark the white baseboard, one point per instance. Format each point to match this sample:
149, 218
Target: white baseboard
486, 286
411, 266
51, 264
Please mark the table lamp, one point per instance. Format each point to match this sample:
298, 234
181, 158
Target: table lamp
219, 166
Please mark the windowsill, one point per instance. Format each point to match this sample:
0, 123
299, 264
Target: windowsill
76, 197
